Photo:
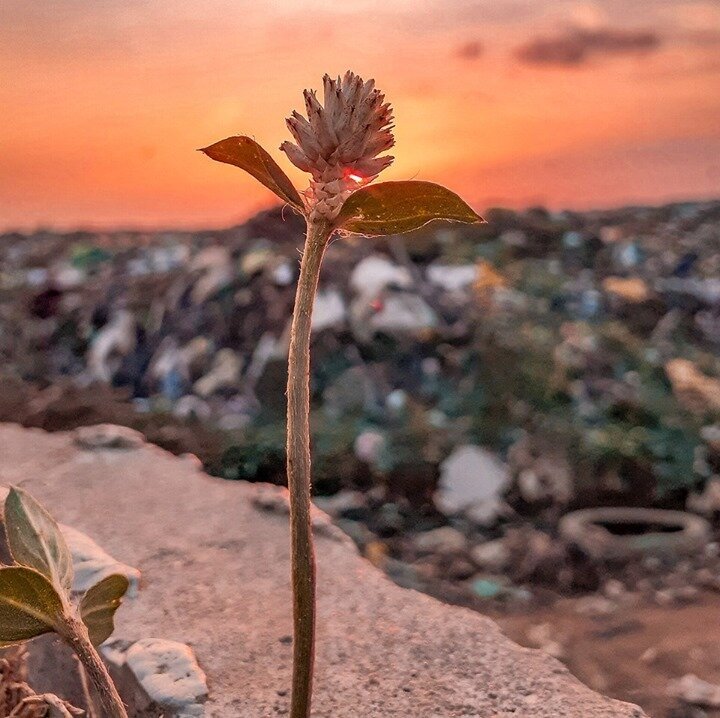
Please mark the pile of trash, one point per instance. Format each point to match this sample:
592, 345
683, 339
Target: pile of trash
475, 374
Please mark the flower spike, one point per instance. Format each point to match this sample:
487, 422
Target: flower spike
339, 142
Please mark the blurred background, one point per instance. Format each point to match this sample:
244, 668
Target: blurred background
473, 387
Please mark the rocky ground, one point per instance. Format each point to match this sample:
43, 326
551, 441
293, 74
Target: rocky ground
214, 563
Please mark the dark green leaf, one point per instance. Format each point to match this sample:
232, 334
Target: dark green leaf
34, 539
99, 604
394, 207
245, 153
29, 605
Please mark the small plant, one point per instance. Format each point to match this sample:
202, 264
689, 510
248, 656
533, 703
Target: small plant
338, 145
35, 594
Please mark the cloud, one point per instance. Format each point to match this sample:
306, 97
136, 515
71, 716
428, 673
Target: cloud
576, 46
470, 50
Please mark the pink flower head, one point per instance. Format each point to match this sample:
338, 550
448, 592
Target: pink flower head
339, 143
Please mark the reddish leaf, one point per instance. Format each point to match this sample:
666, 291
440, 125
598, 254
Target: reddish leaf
245, 153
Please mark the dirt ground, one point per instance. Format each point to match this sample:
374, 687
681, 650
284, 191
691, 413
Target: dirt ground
634, 652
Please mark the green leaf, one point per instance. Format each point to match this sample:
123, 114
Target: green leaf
245, 153
35, 540
394, 207
99, 604
29, 604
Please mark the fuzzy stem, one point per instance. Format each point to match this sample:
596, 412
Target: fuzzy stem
76, 635
298, 471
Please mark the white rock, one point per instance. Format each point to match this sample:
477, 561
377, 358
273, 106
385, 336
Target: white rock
470, 476
374, 273
403, 313
329, 310
452, 278
168, 673
695, 691
92, 564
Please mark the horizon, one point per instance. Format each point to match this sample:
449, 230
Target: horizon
568, 105
190, 229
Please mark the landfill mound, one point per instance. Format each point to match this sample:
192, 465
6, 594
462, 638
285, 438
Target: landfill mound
471, 384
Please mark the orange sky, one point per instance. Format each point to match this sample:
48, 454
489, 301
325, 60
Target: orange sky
507, 101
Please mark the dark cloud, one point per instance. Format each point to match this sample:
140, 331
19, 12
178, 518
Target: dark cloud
577, 46
470, 50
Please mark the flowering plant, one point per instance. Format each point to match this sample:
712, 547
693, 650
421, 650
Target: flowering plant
338, 144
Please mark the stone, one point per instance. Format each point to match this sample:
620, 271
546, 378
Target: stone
445, 540
169, 674
329, 311
375, 273
400, 314
92, 564
216, 578
491, 555
452, 278
696, 691
542, 636
107, 436
469, 477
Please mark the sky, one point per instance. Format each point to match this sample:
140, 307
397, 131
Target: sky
567, 103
